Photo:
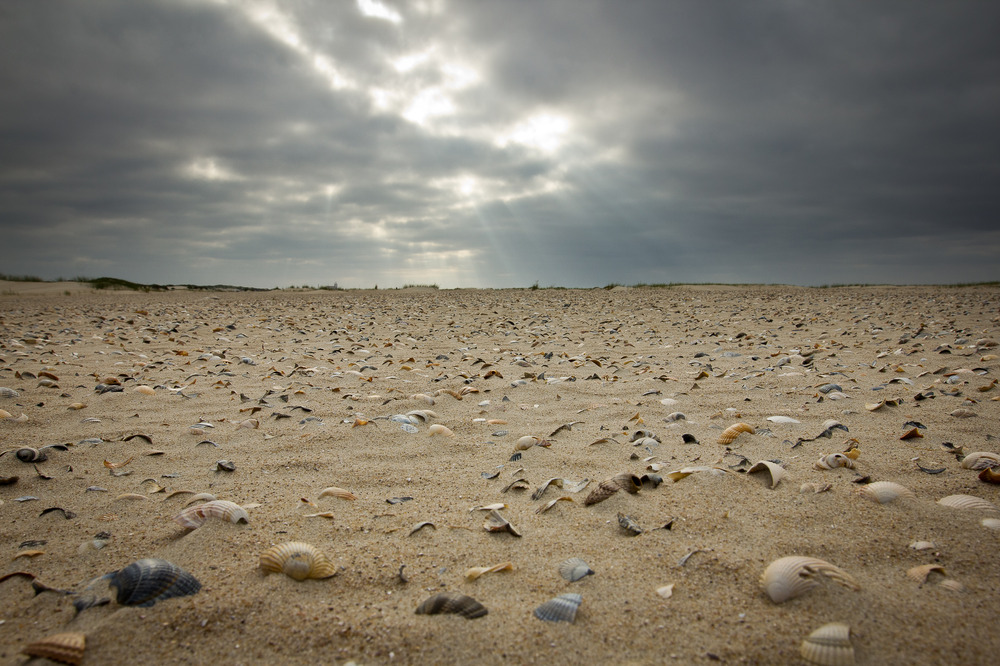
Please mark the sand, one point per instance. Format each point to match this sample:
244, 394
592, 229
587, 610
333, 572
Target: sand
604, 359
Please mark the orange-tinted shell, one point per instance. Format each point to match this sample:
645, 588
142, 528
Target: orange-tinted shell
730, 434
297, 560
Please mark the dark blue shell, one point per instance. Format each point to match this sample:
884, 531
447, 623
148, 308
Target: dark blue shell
147, 581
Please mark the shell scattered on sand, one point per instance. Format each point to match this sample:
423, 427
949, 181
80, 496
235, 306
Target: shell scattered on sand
452, 602
66, 647
297, 560
830, 645
793, 576
195, 516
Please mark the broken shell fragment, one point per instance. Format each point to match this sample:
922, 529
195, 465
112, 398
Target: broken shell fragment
195, 516
884, 492
298, 560
834, 460
730, 434
473, 573
922, 572
452, 602
830, 645
551, 503
334, 491
574, 569
990, 475
67, 647
560, 609
666, 591
814, 488
628, 524
497, 523
793, 576
772, 472
628, 482
147, 581
967, 502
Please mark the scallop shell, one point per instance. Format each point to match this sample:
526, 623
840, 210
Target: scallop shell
603, 491
574, 569
67, 647
830, 645
298, 560
195, 516
884, 492
922, 572
981, 460
967, 502
473, 573
834, 460
30, 455
438, 429
732, 432
452, 602
793, 576
775, 472
560, 609
147, 581
334, 491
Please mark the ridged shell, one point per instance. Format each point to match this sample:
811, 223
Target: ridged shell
560, 609
830, 645
8, 392
884, 492
334, 491
981, 460
195, 516
922, 572
67, 647
297, 560
967, 502
628, 482
793, 576
774, 472
438, 429
834, 460
574, 569
603, 491
452, 602
732, 432
147, 581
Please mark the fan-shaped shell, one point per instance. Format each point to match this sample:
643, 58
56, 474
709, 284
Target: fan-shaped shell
967, 502
297, 560
560, 609
922, 572
452, 602
195, 516
772, 471
67, 647
834, 460
8, 392
884, 492
603, 491
978, 460
732, 432
793, 576
334, 491
574, 569
830, 645
147, 581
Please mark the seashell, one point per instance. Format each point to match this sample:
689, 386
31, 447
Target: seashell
526, 442
4, 414
732, 432
452, 602
548, 505
793, 576
8, 392
200, 497
990, 475
628, 524
675, 416
147, 390
423, 397
30, 455
912, 433
438, 429
574, 569
782, 419
497, 523
603, 491
967, 502
962, 413
991, 523
628, 482
981, 460
814, 488
774, 472
833, 461
922, 545
475, 572
147, 581
195, 516
884, 492
224, 466
830, 645
560, 609
77, 406
666, 591
422, 415
852, 451
953, 585
334, 491
922, 572
298, 560
67, 647
421, 525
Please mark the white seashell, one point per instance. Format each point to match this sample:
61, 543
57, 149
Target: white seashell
967, 502
979, 460
832, 461
793, 576
438, 429
574, 569
773, 471
334, 491
922, 545
953, 585
8, 392
666, 591
991, 523
830, 645
423, 397
782, 419
884, 492
814, 488
195, 516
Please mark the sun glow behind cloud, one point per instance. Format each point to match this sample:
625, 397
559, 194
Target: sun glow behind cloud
545, 132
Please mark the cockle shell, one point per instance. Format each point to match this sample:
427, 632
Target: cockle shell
967, 502
67, 647
793, 576
473, 573
560, 609
884, 492
452, 602
773, 471
981, 460
922, 572
147, 581
195, 516
574, 569
8, 392
732, 432
603, 491
830, 645
834, 460
297, 560
334, 491
438, 429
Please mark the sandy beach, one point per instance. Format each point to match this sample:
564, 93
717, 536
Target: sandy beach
298, 390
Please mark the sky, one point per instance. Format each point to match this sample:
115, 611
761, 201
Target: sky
500, 143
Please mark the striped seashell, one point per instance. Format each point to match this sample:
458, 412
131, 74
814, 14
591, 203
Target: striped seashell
793, 576
147, 581
560, 609
884, 492
730, 434
452, 602
438, 429
473, 573
978, 460
298, 560
603, 491
830, 645
834, 460
951, 584
967, 502
922, 572
8, 392
66, 648
195, 516
574, 569
334, 491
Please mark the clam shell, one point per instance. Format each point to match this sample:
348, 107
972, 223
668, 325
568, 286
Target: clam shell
298, 560
473, 573
884, 492
830, 645
334, 491
452, 602
526, 442
67, 647
773, 471
834, 460
560, 609
981, 460
922, 572
147, 581
967, 502
603, 491
732, 432
793, 576
574, 569
195, 516
438, 429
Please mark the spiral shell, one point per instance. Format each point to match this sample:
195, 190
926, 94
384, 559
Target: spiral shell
833, 461
793, 576
67, 647
628, 482
603, 491
967, 502
560, 609
732, 432
773, 471
830, 645
884, 492
30, 455
297, 560
147, 581
981, 460
195, 516
574, 569
452, 602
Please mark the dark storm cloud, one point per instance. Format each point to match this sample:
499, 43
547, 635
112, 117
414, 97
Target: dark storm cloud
276, 144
